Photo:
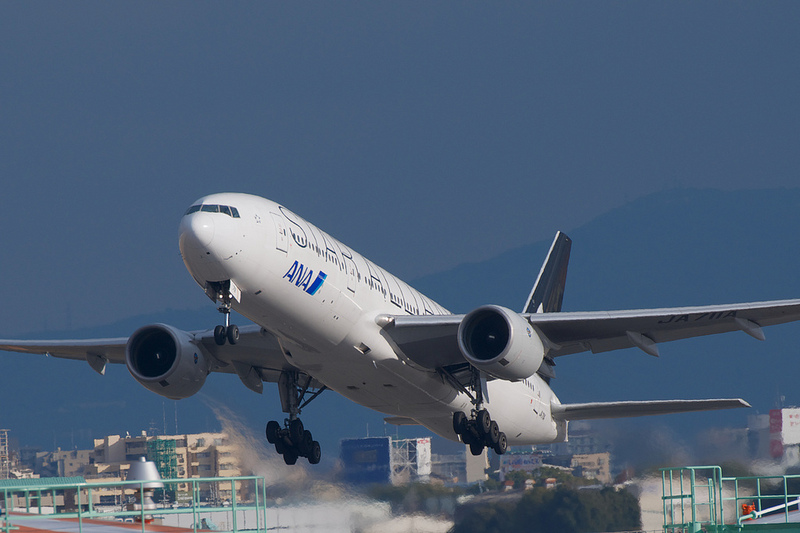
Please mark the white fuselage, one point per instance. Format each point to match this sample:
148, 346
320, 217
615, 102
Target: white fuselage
321, 300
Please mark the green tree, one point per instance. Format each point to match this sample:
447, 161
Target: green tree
495, 518
518, 477
563, 509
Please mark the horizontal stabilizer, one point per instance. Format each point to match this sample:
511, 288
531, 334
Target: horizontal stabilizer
401, 421
595, 410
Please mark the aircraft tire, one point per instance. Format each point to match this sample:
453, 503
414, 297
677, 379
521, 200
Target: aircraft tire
280, 446
219, 335
272, 431
475, 448
459, 423
233, 333
484, 422
290, 457
492, 435
296, 430
306, 443
315, 453
502, 444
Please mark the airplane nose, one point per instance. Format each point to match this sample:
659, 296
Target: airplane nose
197, 230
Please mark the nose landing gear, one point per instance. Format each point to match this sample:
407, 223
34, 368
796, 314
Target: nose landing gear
224, 291
229, 332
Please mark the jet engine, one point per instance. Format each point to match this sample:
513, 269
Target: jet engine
501, 343
166, 361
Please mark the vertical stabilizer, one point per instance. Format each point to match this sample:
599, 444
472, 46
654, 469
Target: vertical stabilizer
548, 291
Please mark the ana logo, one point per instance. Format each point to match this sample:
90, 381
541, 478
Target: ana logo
301, 276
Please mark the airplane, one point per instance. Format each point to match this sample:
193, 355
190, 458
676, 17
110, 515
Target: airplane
327, 318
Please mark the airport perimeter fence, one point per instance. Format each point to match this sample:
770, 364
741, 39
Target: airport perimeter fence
700, 498
225, 504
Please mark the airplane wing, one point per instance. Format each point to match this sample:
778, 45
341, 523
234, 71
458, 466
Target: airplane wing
595, 410
256, 349
111, 349
431, 340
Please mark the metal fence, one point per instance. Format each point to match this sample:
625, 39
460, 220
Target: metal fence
699, 498
240, 501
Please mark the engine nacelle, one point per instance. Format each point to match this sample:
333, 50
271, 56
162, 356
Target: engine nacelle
166, 361
500, 342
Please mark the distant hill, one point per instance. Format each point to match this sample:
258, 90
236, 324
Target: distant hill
678, 247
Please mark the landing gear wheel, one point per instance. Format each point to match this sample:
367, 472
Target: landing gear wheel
232, 333
476, 448
306, 444
484, 421
219, 335
290, 457
280, 446
315, 453
459, 423
296, 431
492, 435
272, 431
502, 444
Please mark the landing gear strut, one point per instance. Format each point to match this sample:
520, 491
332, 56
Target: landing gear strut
479, 430
293, 440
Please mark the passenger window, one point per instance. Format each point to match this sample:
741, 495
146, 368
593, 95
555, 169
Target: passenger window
193, 209
210, 209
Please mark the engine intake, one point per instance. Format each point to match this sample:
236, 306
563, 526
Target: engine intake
166, 361
500, 342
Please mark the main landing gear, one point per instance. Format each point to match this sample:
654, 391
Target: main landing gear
293, 440
480, 431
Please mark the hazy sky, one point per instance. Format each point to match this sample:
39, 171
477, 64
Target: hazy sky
423, 134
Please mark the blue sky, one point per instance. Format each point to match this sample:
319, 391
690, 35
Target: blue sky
423, 134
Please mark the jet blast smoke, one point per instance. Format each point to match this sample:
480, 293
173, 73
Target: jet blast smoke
254, 456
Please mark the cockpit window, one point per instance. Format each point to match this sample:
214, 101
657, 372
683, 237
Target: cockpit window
214, 208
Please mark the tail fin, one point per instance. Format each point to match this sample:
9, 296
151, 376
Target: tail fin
548, 291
